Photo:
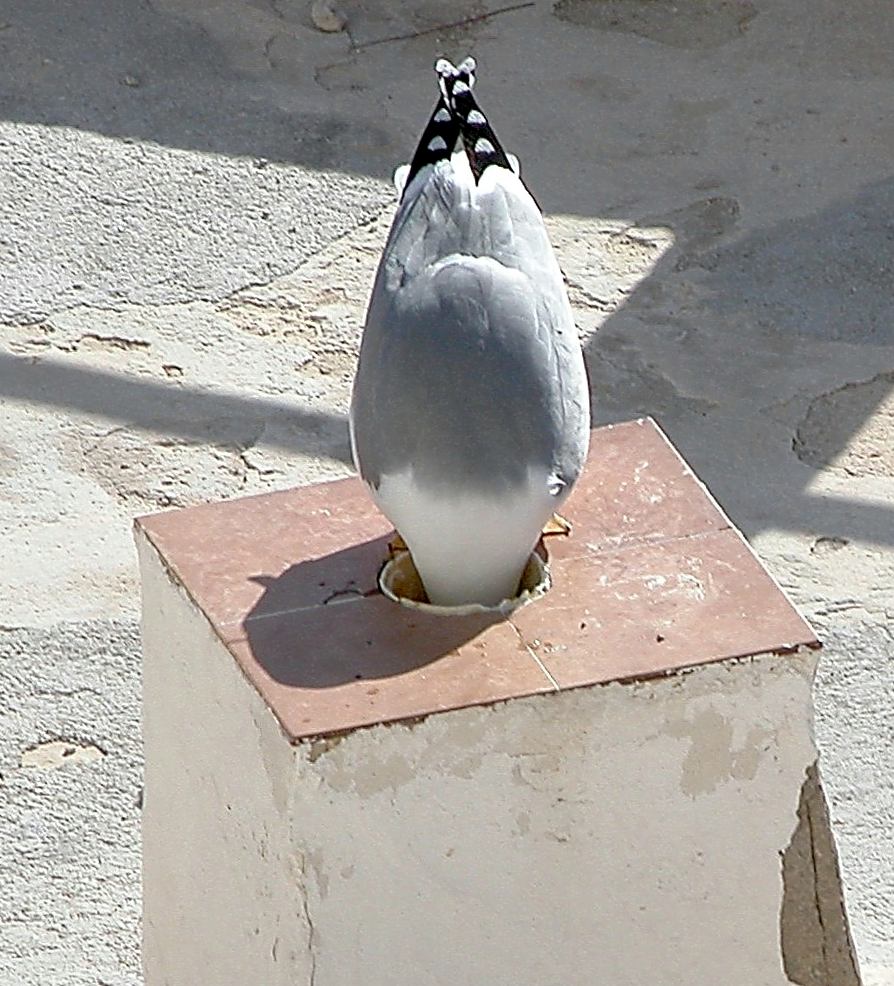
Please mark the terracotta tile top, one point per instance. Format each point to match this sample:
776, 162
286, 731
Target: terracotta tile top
653, 578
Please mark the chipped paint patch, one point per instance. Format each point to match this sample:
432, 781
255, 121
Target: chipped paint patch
60, 753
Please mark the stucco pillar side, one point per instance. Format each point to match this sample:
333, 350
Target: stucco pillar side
220, 901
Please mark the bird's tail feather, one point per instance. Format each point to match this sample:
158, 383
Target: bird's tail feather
479, 140
438, 140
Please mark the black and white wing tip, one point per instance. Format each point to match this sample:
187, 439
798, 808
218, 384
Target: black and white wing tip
438, 140
482, 147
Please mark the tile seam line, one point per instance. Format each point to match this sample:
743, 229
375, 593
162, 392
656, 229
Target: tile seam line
292, 737
531, 653
620, 549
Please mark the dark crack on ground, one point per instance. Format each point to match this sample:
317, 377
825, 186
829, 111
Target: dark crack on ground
691, 24
848, 429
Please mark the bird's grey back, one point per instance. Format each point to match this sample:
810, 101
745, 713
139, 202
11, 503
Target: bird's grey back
470, 363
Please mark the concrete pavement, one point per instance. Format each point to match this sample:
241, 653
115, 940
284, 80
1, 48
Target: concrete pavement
192, 197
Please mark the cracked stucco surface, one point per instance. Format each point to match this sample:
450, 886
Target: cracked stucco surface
192, 199
472, 808
69, 825
813, 928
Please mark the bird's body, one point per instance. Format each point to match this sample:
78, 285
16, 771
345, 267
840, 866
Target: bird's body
470, 412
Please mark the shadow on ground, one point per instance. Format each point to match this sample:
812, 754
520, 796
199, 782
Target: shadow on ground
732, 342
181, 412
149, 72
723, 320
714, 335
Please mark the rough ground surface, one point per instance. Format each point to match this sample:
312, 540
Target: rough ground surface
191, 202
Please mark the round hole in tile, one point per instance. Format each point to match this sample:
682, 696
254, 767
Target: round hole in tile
400, 582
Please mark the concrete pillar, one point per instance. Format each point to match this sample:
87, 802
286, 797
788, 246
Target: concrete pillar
617, 784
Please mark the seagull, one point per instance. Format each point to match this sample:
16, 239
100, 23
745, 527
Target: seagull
470, 411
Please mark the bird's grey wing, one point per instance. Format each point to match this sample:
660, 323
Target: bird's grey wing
459, 377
